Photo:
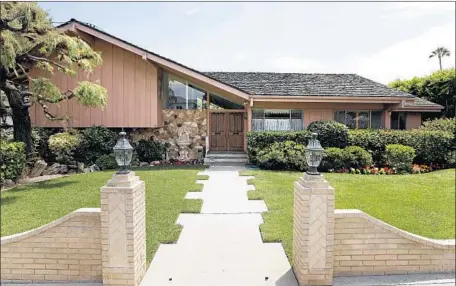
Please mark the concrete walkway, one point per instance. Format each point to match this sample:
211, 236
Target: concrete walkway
222, 245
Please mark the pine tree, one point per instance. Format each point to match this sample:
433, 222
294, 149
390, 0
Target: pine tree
29, 41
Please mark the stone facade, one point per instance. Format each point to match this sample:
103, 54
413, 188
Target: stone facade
67, 249
178, 124
313, 230
123, 230
364, 245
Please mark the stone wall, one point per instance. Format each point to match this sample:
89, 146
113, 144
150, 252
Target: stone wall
67, 249
178, 124
364, 245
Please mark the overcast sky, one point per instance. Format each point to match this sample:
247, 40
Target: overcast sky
381, 41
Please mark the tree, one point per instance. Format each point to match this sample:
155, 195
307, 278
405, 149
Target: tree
29, 41
439, 87
440, 52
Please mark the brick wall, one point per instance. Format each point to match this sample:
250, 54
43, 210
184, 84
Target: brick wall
67, 249
364, 245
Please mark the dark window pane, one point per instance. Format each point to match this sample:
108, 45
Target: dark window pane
363, 120
402, 121
394, 120
339, 116
376, 119
296, 120
350, 119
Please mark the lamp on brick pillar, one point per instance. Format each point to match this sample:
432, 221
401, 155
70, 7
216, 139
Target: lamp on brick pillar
123, 222
313, 222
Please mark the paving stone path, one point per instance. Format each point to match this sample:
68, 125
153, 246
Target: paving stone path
222, 245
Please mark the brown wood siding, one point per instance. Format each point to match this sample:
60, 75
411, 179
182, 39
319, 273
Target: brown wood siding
131, 83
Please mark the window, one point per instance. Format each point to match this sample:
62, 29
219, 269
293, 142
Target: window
398, 120
359, 119
180, 94
276, 120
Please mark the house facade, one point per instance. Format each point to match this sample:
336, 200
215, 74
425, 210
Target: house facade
159, 98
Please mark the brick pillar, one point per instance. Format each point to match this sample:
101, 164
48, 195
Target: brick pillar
313, 231
123, 230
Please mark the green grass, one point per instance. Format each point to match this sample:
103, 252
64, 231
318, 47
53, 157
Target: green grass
30, 206
423, 204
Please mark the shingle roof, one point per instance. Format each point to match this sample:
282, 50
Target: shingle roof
300, 84
421, 102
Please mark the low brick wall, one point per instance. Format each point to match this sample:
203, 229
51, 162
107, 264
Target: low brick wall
364, 245
67, 249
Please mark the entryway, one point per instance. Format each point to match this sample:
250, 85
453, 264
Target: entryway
227, 130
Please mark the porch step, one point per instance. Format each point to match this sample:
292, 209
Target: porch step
226, 158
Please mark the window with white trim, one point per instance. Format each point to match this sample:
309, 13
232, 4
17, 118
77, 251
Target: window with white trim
277, 120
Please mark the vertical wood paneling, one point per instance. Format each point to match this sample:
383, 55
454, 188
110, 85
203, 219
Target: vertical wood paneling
129, 89
149, 98
131, 83
106, 81
118, 83
140, 95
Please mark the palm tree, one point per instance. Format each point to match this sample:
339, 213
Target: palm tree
440, 52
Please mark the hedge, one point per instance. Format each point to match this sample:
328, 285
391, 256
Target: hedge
12, 160
430, 146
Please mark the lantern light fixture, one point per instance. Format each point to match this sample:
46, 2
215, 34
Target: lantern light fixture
314, 155
123, 153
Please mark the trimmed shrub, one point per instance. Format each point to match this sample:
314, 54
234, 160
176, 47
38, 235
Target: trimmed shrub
40, 142
333, 159
440, 124
356, 157
12, 160
95, 142
286, 155
400, 157
62, 145
106, 162
330, 133
260, 140
430, 146
149, 151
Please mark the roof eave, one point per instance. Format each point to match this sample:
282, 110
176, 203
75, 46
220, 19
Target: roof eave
323, 98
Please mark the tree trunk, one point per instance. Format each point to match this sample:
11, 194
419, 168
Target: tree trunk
21, 120
440, 62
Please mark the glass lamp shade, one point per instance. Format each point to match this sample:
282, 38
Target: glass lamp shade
123, 153
314, 155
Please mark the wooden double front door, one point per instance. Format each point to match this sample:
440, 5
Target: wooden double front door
227, 131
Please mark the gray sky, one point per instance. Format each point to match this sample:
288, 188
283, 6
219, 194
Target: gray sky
381, 41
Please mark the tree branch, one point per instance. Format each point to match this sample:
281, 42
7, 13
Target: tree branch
41, 59
49, 115
65, 96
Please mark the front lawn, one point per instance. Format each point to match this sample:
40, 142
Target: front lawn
423, 204
30, 206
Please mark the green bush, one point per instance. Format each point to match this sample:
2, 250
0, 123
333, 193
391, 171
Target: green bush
356, 157
106, 162
333, 159
430, 146
62, 145
95, 142
330, 133
286, 155
149, 151
440, 124
400, 157
40, 142
260, 140
12, 160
